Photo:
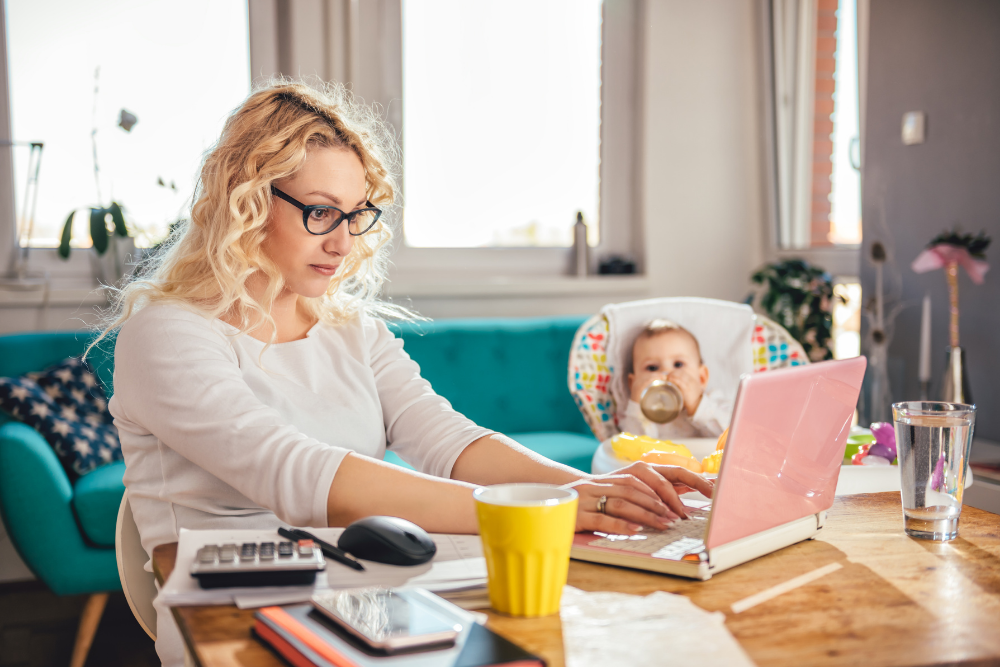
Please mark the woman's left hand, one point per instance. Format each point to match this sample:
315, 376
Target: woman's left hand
642, 494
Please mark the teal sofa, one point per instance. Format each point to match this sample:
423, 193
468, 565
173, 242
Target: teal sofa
506, 374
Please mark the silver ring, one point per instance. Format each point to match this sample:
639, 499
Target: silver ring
601, 504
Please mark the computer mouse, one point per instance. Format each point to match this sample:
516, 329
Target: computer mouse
388, 539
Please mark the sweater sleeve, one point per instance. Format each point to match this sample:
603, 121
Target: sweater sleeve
178, 378
420, 426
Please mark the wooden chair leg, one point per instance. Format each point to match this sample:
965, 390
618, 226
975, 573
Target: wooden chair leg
89, 620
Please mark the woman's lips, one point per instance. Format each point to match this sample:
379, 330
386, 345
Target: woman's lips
325, 269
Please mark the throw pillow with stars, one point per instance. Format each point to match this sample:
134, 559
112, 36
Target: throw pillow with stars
66, 404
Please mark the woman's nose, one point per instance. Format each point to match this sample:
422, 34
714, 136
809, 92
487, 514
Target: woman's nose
339, 241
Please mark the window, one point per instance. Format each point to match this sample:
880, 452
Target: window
526, 82
179, 68
817, 122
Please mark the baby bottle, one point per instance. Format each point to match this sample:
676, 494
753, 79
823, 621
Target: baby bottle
661, 401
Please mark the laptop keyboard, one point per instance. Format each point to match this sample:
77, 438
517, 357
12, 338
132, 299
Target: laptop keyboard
674, 543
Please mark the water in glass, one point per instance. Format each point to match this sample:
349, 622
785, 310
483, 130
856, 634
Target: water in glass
933, 440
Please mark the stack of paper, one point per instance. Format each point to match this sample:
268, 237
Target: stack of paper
602, 629
458, 569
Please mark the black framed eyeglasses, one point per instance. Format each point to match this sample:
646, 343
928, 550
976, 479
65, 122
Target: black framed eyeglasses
319, 219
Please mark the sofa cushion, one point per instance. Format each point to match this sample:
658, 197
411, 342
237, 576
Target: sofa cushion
572, 449
509, 375
96, 497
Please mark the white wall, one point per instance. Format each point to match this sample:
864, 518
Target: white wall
703, 195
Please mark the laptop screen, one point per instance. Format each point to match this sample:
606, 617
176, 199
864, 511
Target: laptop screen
785, 447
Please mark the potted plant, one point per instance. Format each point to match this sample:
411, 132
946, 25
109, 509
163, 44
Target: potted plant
800, 298
108, 232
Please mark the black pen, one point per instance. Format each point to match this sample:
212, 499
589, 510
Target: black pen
333, 552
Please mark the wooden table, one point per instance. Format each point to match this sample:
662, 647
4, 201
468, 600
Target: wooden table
895, 601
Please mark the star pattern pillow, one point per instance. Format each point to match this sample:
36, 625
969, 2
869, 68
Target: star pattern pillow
67, 405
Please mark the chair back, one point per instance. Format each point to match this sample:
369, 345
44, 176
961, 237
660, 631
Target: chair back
139, 586
733, 340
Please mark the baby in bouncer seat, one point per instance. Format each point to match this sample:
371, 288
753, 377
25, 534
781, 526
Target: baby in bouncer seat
664, 350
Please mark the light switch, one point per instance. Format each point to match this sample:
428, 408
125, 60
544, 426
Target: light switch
914, 124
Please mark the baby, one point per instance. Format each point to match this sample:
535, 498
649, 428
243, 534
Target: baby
667, 351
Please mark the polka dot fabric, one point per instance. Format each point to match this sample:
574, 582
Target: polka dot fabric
66, 404
774, 347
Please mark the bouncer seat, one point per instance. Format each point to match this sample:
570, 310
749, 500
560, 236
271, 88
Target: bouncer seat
733, 340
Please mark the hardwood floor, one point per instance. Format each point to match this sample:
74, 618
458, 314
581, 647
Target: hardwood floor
37, 629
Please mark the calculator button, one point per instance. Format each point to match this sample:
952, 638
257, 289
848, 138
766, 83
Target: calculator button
285, 549
208, 553
227, 553
306, 548
267, 551
248, 551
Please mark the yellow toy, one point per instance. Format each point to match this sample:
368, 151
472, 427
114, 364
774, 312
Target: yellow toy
671, 459
721, 444
631, 447
713, 462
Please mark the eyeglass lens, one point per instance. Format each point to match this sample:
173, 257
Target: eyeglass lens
323, 219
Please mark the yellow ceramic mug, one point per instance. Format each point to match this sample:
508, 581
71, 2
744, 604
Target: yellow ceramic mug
527, 532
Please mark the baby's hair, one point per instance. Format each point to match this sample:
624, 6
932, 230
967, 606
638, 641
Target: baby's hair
662, 326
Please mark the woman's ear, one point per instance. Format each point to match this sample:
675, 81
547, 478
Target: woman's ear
631, 376
703, 375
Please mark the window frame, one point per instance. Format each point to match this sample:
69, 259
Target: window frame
370, 53
372, 63
842, 261
77, 271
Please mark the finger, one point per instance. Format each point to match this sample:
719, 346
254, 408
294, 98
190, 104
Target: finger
625, 477
607, 524
628, 489
693, 481
660, 479
650, 504
678, 476
623, 509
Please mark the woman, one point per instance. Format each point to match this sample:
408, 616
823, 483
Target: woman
256, 385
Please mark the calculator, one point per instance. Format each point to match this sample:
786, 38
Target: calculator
257, 564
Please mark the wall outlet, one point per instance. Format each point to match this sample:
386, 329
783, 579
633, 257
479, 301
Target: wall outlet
914, 125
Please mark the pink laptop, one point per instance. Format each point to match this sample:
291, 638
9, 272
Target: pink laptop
778, 476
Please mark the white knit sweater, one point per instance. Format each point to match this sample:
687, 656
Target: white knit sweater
216, 434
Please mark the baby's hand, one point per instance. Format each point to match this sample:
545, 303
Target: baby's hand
690, 390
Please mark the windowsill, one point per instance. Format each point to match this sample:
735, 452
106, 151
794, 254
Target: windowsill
527, 286
839, 261
57, 296
498, 287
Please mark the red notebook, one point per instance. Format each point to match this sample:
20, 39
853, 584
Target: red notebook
304, 638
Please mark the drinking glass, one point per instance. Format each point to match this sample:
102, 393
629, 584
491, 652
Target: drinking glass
933, 440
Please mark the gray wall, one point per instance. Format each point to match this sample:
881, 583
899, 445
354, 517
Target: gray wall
941, 57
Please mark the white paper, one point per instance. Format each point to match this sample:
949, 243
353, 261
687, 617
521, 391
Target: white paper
458, 565
602, 629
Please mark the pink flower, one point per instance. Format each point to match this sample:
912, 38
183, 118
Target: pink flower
943, 254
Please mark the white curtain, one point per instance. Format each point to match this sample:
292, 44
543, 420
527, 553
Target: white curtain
793, 31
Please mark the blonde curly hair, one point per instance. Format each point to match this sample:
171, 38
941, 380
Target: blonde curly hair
206, 262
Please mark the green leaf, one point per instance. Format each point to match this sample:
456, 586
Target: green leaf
119, 218
67, 233
99, 229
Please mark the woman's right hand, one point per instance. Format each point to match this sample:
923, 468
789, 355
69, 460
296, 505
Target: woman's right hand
641, 494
